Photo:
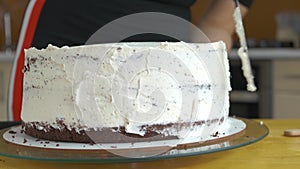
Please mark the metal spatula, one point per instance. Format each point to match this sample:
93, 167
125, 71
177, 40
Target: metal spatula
243, 50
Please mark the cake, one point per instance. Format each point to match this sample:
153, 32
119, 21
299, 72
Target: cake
125, 92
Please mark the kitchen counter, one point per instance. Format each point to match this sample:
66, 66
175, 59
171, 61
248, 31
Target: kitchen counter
274, 151
269, 53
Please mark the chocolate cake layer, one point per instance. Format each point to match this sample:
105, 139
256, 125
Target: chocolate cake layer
108, 135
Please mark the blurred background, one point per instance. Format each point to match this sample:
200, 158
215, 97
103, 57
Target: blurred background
273, 33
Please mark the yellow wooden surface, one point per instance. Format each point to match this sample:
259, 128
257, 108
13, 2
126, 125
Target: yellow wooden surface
274, 151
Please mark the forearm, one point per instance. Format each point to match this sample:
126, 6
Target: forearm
218, 22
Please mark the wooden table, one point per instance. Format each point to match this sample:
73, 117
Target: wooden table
274, 151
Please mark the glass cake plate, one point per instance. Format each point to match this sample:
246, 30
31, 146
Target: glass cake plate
16, 144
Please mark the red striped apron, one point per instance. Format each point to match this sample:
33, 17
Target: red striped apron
25, 39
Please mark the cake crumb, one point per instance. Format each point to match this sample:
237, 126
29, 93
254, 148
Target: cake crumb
261, 123
57, 145
12, 132
215, 134
24, 141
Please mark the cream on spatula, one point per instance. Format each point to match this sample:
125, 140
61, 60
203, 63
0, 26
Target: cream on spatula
243, 50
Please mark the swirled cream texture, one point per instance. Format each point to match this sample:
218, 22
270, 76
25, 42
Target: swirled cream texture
126, 84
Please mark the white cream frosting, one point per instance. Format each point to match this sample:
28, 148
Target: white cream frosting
243, 50
126, 84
